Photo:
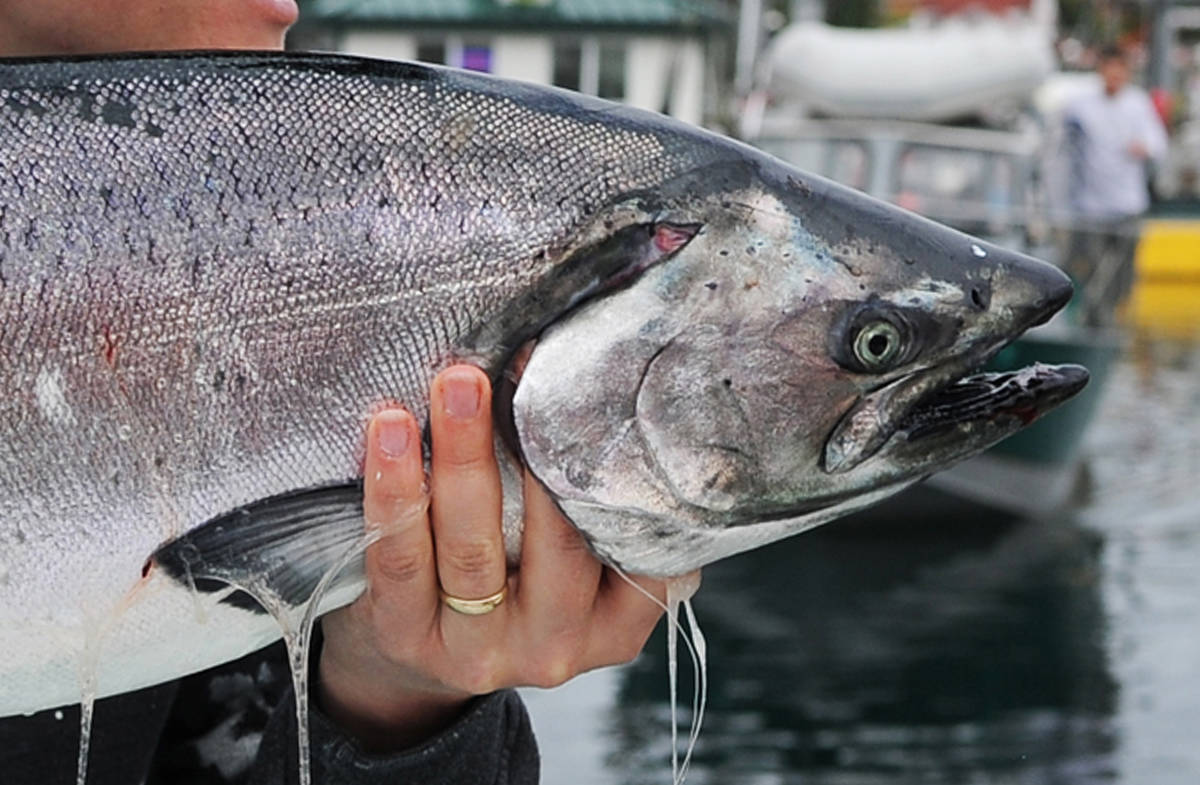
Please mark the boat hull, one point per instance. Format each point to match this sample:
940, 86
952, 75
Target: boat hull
1042, 468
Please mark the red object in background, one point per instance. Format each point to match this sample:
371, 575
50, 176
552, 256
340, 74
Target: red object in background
1164, 104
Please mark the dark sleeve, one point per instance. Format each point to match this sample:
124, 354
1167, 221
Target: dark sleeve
43, 749
491, 744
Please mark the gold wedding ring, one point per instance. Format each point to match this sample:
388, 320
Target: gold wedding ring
474, 607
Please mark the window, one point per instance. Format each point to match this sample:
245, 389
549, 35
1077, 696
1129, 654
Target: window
590, 65
474, 53
567, 57
971, 189
477, 57
612, 71
431, 50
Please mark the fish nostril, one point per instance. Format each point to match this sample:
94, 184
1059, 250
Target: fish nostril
977, 299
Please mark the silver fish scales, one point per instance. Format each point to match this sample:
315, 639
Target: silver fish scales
213, 267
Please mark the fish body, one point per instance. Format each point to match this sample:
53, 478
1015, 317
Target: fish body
214, 267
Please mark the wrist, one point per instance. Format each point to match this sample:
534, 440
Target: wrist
377, 705
388, 721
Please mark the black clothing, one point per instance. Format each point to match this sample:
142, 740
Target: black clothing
236, 725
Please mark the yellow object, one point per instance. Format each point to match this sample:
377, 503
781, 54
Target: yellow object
1166, 294
475, 607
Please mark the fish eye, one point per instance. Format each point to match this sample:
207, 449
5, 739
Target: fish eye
877, 345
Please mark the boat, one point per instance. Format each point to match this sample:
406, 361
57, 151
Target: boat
1043, 468
960, 67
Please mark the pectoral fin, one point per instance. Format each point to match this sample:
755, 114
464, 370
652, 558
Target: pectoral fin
284, 545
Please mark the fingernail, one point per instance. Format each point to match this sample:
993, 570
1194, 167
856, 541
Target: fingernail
393, 436
462, 397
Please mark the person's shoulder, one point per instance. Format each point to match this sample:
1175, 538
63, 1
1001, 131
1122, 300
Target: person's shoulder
1134, 98
1085, 91
1081, 102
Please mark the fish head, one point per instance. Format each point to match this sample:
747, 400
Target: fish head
802, 351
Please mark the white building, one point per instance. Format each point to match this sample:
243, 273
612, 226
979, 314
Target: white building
662, 55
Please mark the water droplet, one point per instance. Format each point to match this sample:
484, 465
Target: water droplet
975, 249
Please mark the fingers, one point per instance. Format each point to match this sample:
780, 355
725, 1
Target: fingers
466, 485
559, 581
581, 615
624, 618
566, 613
559, 576
400, 567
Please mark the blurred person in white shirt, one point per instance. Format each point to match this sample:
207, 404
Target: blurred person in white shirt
1113, 134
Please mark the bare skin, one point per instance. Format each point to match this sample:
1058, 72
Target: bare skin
398, 665
1114, 72
57, 27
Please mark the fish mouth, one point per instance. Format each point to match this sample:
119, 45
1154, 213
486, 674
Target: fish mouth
926, 403
1025, 394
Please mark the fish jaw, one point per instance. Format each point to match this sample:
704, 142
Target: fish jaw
668, 546
977, 411
635, 540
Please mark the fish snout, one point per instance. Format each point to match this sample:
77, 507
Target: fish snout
1032, 290
1072, 379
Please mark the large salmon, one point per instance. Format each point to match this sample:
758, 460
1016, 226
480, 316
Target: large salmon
213, 267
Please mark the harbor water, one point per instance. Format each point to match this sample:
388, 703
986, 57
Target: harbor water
933, 641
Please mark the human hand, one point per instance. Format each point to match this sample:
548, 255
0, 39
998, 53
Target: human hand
1138, 150
398, 665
